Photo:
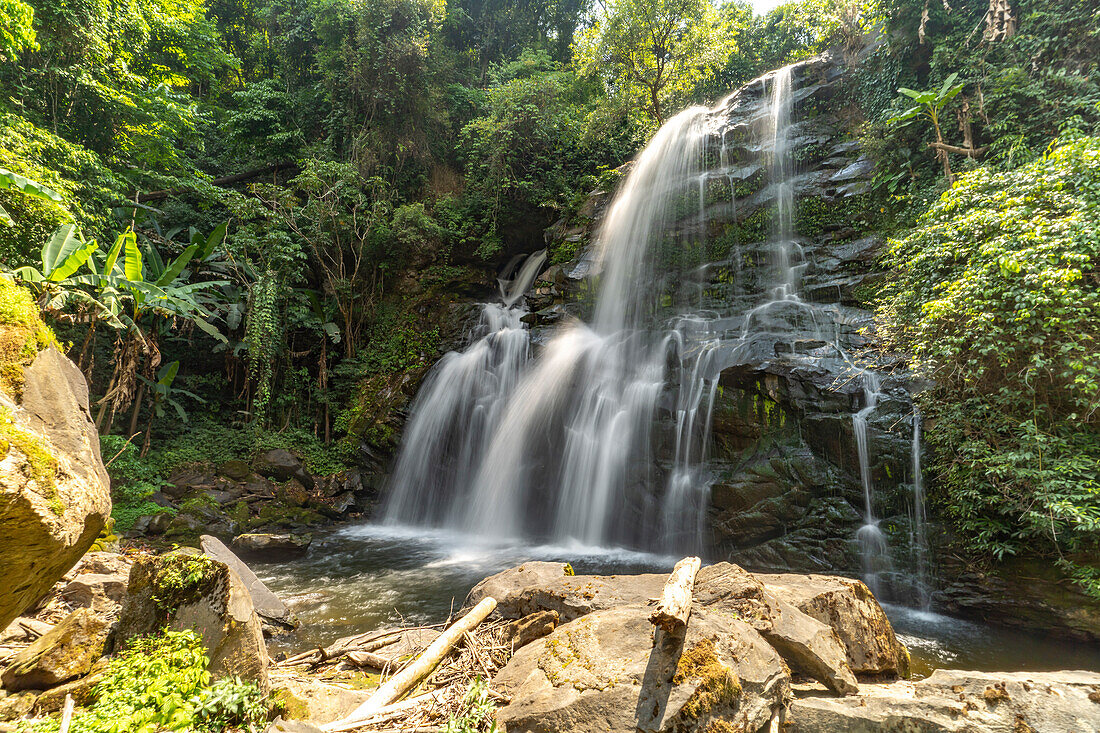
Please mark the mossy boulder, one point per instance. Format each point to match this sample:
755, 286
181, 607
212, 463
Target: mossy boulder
609, 671
68, 651
186, 590
54, 490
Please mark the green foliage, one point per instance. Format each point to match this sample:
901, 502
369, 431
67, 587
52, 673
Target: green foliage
477, 713
16, 28
995, 292
656, 53
133, 480
160, 683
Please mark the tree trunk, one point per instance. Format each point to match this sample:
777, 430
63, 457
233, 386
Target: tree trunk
134, 414
674, 608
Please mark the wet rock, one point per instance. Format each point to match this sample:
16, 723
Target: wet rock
268, 606
282, 465
100, 592
808, 645
66, 652
186, 590
271, 547
544, 586
853, 613
188, 480
950, 700
292, 493
46, 524
607, 672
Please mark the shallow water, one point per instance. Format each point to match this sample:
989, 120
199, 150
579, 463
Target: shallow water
357, 577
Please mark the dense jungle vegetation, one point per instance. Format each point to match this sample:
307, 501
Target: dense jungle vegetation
250, 221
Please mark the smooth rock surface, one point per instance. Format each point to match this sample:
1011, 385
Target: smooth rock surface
951, 701
606, 672
45, 529
849, 607
268, 605
68, 651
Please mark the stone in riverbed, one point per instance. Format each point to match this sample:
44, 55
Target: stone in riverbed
849, 607
268, 605
271, 547
955, 701
282, 465
69, 650
606, 672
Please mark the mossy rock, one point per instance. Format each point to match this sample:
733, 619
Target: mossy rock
67, 651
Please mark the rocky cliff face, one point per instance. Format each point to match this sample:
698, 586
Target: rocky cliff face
54, 490
785, 482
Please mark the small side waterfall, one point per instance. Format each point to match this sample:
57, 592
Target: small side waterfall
874, 552
919, 540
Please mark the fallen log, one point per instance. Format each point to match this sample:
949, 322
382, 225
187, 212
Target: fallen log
972, 153
221, 182
674, 607
384, 714
407, 678
363, 658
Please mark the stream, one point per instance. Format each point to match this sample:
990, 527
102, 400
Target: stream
360, 576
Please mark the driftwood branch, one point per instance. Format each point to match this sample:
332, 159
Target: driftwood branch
674, 607
968, 152
407, 678
221, 182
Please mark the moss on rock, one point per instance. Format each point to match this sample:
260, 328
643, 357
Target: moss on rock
716, 684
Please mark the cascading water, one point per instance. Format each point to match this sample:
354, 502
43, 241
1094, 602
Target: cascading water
602, 437
920, 517
875, 553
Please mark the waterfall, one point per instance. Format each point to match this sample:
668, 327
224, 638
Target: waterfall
601, 435
920, 518
874, 552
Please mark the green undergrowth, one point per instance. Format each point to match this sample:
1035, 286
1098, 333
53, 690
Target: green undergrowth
22, 335
996, 292
161, 683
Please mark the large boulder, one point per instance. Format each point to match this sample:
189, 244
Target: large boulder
54, 490
952, 701
187, 590
282, 465
808, 645
68, 651
268, 605
849, 607
546, 586
271, 547
609, 671
101, 592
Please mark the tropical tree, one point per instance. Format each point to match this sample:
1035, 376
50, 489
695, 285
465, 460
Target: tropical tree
929, 104
163, 395
655, 53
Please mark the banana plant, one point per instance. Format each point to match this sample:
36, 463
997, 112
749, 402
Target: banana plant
164, 395
929, 104
14, 181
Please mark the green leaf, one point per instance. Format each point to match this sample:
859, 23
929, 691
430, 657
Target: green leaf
167, 373
173, 270
73, 262
133, 266
59, 247
17, 182
112, 255
213, 240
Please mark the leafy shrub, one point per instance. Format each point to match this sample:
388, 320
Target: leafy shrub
477, 712
161, 683
997, 293
133, 480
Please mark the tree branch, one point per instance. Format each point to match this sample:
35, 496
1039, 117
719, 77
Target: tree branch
222, 182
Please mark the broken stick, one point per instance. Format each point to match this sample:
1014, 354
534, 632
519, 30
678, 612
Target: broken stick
675, 605
407, 678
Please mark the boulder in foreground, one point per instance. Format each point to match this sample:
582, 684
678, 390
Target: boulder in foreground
54, 491
951, 700
67, 651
